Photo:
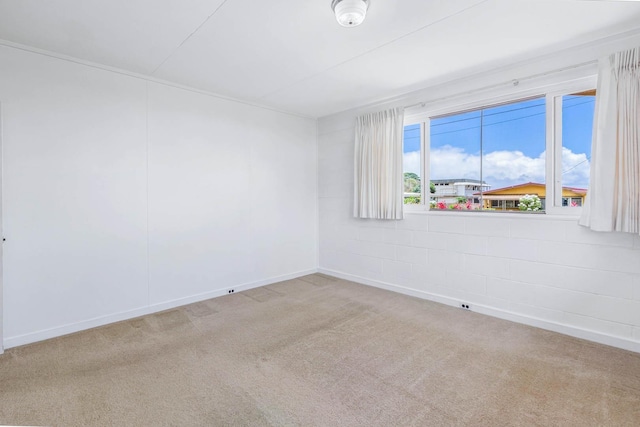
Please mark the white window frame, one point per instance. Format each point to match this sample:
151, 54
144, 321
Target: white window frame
551, 88
554, 146
415, 207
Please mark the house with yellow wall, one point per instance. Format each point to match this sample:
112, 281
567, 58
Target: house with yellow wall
507, 198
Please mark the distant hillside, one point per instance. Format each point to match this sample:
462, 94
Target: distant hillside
412, 183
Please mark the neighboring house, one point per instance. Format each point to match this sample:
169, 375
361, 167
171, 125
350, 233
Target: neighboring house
449, 190
507, 198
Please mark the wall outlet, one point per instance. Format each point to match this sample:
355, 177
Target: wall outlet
465, 306
231, 291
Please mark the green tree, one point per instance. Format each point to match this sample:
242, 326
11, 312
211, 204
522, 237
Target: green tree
411, 183
432, 187
411, 175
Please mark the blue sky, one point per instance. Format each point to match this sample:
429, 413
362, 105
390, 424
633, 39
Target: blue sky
513, 143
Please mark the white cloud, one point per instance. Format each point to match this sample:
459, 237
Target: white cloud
501, 168
411, 162
575, 169
454, 162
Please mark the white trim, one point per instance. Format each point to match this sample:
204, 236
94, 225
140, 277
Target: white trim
15, 341
561, 328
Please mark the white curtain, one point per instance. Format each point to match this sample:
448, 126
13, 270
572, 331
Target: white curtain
378, 165
613, 200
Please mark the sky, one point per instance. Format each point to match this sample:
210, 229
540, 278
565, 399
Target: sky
512, 147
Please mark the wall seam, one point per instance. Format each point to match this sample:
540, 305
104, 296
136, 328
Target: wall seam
147, 190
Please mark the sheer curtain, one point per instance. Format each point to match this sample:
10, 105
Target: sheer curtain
378, 178
613, 200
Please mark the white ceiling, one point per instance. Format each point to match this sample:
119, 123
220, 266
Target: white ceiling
292, 54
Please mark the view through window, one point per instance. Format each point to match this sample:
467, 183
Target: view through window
487, 158
494, 158
577, 129
412, 164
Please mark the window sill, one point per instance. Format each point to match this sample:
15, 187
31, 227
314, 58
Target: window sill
569, 216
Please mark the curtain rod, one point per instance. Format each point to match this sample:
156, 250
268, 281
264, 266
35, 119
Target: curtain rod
514, 82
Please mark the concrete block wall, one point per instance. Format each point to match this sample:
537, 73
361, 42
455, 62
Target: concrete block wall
541, 270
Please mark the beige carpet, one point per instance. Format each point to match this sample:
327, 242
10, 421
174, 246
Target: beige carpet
319, 351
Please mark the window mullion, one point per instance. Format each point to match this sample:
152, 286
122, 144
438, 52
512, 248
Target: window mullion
425, 128
557, 151
551, 175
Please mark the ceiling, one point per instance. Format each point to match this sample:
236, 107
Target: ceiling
292, 55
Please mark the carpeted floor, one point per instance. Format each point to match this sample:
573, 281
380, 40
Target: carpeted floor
318, 351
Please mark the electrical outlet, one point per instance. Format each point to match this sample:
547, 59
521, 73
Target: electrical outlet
231, 291
465, 306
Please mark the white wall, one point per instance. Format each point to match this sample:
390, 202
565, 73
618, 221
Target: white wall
541, 270
124, 196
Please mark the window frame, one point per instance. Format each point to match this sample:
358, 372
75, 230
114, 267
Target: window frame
417, 206
553, 90
554, 149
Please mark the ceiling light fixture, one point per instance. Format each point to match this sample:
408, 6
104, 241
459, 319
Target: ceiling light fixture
350, 13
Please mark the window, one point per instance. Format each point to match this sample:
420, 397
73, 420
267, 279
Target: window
572, 201
577, 128
530, 154
489, 154
412, 149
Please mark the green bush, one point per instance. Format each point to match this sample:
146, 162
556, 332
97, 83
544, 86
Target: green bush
530, 203
412, 200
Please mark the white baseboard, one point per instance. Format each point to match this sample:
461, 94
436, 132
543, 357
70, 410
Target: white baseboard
58, 331
561, 328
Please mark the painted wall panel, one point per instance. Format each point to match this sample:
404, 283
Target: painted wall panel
197, 175
232, 193
125, 196
75, 192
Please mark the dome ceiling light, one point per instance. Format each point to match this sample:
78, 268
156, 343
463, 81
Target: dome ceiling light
350, 13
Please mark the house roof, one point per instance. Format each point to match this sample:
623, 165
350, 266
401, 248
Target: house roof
511, 187
530, 184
